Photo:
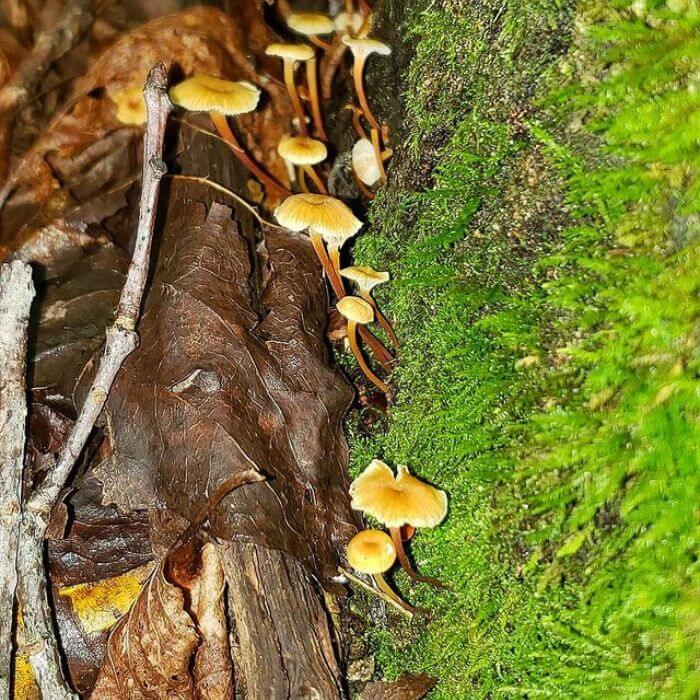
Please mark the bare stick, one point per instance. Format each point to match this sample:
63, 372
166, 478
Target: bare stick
16, 294
121, 340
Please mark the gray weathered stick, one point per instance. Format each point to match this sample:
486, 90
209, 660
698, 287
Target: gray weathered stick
16, 294
41, 645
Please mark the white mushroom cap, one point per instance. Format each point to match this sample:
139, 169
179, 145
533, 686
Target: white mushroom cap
364, 162
361, 48
348, 22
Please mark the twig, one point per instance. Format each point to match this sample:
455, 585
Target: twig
16, 294
375, 591
121, 339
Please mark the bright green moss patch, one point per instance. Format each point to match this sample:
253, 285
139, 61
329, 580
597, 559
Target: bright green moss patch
545, 288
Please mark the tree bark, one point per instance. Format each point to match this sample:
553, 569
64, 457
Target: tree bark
283, 641
16, 294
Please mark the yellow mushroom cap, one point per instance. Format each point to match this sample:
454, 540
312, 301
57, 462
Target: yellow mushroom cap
131, 108
302, 150
356, 309
364, 162
310, 23
366, 278
320, 212
361, 48
397, 501
371, 552
204, 93
290, 52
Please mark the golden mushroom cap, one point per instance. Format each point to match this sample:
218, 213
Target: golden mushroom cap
204, 93
361, 48
310, 23
131, 108
371, 552
291, 52
356, 309
364, 162
397, 500
320, 212
366, 278
302, 150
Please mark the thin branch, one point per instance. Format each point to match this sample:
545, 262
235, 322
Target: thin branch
374, 591
16, 294
121, 340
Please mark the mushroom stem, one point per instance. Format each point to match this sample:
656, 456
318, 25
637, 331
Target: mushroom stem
357, 71
294, 95
357, 352
349, 6
333, 277
383, 320
309, 170
302, 180
406, 564
357, 124
378, 154
312, 80
385, 588
334, 252
319, 42
224, 130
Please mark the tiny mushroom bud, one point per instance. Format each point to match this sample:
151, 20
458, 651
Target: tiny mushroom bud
396, 501
358, 312
366, 280
290, 54
372, 552
364, 162
349, 22
222, 98
304, 152
131, 107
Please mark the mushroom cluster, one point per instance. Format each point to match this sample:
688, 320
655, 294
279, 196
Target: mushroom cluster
328, 221
402, 503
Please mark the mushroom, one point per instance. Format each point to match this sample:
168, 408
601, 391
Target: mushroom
349, 22
366, 280
222, 98
358, 312
321, 216
131, 108
361, 49
290, 54
364, 162
311, 24
304, 152
398, 501
372, 552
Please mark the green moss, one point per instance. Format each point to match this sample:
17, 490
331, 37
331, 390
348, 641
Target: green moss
545, 291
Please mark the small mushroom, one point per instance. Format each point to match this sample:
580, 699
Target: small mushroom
358, 312
349, 22
323, 217
311, 25
366, 280
222, 98
361, 50
290, 54
372, 552
131, 108
364, 162
305, 152
396, 501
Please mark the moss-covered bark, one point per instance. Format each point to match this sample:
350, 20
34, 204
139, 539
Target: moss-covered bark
541, 228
